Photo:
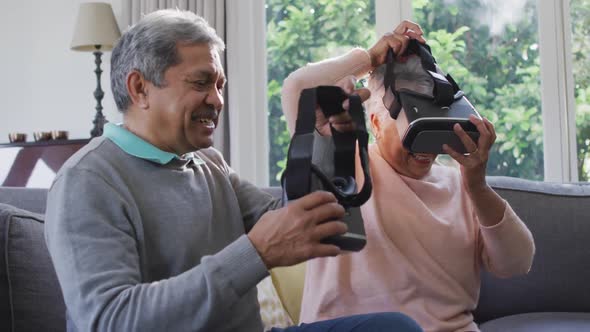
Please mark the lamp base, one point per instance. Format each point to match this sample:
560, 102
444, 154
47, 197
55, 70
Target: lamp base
99, 119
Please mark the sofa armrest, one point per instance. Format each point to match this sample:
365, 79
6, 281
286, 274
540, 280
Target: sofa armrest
30, 199
558, 216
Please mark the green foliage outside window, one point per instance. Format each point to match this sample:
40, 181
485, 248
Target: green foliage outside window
299, 32
580, 16
499, 73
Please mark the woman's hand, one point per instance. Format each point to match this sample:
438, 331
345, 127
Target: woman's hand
341, 122
473, 164
489, 206
396, 40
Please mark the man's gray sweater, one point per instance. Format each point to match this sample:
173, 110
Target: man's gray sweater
140, 246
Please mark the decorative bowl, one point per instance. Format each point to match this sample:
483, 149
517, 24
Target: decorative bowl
17, 137
42, 136
59, 134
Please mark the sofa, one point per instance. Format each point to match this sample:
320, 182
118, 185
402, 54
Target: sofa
554, 296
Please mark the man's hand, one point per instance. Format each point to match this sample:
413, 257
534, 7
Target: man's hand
292, 234
341, 122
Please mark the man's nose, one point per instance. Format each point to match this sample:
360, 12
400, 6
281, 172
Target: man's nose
215, 98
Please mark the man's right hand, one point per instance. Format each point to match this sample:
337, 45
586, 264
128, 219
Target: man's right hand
292, 234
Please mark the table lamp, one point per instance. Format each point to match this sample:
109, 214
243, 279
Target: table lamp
96, 30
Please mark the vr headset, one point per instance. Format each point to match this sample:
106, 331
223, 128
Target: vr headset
432, 102
303, 176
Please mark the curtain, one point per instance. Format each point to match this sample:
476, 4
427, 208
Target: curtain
245, 31
211, 10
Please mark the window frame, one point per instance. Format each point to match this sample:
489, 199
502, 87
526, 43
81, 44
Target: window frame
557, 92
557, 84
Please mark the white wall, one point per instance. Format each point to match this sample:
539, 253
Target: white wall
43, 84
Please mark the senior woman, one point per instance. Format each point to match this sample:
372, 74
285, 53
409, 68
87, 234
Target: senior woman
430, 228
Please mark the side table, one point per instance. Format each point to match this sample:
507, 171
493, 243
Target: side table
35, 164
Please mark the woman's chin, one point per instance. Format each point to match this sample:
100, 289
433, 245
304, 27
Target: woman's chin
418, 170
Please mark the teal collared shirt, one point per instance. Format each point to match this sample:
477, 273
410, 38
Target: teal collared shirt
135, 146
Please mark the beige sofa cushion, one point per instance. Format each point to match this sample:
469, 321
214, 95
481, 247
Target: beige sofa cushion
288, 283
272, 312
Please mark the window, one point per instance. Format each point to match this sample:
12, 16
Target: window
299, 32
528, 78
580, 48
491, 49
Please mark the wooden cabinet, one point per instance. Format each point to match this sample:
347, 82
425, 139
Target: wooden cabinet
35, 164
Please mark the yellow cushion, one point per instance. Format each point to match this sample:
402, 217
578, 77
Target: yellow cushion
288, 283
272, 312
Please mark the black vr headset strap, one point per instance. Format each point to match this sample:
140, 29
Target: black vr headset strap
389, 83
424, 53
454, 84
296, 178
444, 88
297, 175
330, 100
351, 199
358, 116
444, 91
344, 149
343, 184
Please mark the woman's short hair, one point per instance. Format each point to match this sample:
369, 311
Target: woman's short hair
150, 47
375, 84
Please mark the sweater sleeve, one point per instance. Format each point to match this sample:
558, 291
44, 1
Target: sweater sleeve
92, 233
507, 247
253, 201
327, 72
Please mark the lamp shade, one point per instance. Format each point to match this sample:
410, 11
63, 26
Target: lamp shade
96, 25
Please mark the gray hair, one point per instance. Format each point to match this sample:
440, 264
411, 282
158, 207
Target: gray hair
377, 76
375, 85
150, 47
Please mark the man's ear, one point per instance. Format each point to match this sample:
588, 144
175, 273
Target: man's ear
137, 89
